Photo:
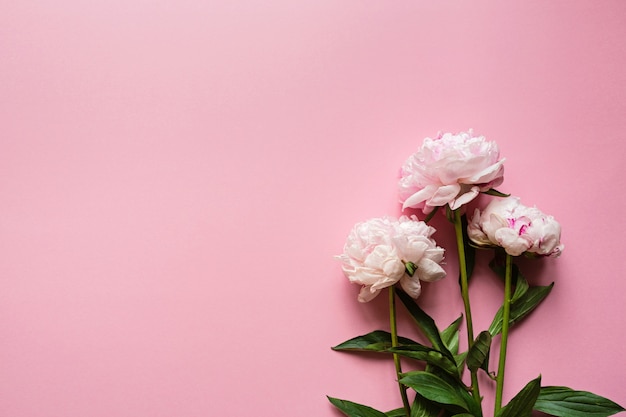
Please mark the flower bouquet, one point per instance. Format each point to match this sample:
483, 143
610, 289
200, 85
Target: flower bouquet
396, 255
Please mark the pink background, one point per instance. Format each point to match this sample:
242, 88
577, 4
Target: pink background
175, 177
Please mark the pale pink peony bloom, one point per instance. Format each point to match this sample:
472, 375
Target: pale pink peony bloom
516, 228
450, 170
377, 250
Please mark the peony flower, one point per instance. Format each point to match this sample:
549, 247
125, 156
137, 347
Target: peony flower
516, 228
376, 252
450, 170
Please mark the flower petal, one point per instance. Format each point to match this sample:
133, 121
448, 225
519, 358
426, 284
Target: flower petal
488, 174
411, 285
419, 197
512, 243
465, 198
429, 270
444, 195
367, 294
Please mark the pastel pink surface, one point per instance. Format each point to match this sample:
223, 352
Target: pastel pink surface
175, 178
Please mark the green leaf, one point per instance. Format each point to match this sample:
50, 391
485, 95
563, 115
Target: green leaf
522, 404
521, 285
410, 268
429, 355
376, 341
478, 355
450, 336
463, 415
424, 408
463, 391
425, 323
355, 410
494, 192
460, 361
398, 412
433, 388
521, 307
565, 402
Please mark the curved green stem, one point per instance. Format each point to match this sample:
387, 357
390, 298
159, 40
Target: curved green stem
394, 343
506, 314
458, 228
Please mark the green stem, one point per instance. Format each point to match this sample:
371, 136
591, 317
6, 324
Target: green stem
394, 343
458, 228
506, 314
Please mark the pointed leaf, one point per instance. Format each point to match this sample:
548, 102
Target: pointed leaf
355, 410
462, 390
398, 412
497, 264
460, 360
424, 408
450, 336
435, 389
425, 323
521, 285
565, 402
521, 307
428, 355
478, 355
376, 341
522, 404
494, 192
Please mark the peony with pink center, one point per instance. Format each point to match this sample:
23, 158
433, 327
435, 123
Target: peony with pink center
516, 228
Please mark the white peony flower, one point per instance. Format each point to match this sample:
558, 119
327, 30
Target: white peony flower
376, 252
450, 170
